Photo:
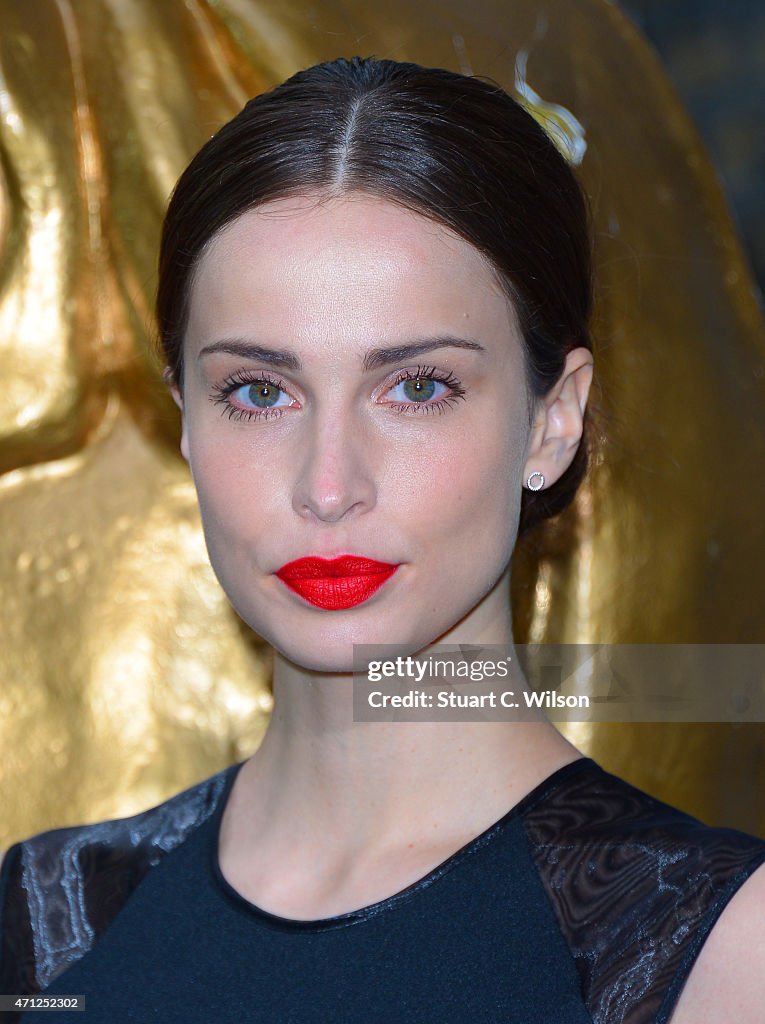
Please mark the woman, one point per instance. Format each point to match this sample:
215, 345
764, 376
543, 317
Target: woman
373, 302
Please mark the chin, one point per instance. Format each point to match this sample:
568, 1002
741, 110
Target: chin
328, 661
327, 646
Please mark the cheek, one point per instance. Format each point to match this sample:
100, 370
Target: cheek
466, 487
235, 492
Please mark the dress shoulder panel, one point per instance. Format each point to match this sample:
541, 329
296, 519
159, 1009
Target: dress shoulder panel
63, 887
636, 886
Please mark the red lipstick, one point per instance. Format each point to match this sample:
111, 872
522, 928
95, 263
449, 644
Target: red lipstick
335, 583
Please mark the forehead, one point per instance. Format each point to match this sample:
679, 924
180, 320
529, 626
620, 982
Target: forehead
300, 266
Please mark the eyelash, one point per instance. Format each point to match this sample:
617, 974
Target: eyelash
222, 393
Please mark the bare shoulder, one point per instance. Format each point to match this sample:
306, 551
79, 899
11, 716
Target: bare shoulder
727, 981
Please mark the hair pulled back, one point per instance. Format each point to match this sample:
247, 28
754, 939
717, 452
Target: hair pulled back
456, 149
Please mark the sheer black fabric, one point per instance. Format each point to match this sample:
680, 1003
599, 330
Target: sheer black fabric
636, 886
60, 889
589, 896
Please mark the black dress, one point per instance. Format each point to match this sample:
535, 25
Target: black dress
588, 901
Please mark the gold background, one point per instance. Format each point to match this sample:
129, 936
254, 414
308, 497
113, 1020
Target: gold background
124, 675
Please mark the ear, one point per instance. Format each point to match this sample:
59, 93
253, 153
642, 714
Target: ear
169, 379
559, 419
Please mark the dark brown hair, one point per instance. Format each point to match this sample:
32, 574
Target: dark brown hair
456, 149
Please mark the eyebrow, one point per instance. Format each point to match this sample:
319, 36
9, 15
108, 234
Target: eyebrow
373, 359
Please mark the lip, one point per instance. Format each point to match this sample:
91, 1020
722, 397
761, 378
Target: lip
336, 583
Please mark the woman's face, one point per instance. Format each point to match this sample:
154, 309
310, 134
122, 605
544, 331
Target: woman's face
311, 431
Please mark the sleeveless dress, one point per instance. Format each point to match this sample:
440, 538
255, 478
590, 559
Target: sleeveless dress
587, 903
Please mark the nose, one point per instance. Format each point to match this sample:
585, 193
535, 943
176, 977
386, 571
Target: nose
335, 479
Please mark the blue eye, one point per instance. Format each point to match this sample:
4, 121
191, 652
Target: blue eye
425, 390
418, 389
261, 394
246, 396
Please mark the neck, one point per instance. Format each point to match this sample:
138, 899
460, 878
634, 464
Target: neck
378, 782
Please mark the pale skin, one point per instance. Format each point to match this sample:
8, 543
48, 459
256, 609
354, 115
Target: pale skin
343, 471
340, 469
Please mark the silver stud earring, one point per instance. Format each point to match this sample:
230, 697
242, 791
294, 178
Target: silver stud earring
539, 485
